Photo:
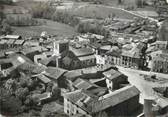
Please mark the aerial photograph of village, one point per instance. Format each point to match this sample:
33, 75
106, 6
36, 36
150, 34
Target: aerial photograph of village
83, 58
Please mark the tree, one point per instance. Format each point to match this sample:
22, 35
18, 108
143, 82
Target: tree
6, 1
120, 2
1, 14
5, 28
139, 3
21, 93
9, 105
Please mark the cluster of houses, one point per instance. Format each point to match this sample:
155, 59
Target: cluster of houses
84, 68
87, 87
135, 26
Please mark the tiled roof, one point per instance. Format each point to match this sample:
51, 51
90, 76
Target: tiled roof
10, 41
82, 51
112, 74
54, 72
83, 58
46, 61
162, 102
5, 61
115, 98
93, 104
52, 107
159, 55
81, 98
31, 49
83, 84
72, 74
31, 43
43, 78
161, 42
19, 42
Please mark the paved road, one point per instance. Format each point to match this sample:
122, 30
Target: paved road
144, 86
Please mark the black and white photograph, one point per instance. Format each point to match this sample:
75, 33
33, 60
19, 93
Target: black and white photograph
83, 58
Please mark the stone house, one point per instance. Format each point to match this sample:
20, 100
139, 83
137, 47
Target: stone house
114, 79
112, 104
159, 61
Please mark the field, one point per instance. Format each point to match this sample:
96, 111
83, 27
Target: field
51, 27
99, 11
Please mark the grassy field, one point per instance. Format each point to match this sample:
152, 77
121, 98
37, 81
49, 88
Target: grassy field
92, 11
51, 27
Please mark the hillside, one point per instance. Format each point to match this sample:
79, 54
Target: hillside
51, 27
100, 11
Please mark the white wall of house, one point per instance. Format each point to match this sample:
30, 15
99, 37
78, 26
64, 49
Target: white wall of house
72, 109
39, 57
109, 84
100, 60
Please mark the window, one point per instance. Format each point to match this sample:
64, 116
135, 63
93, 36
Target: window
48, 56
38, 59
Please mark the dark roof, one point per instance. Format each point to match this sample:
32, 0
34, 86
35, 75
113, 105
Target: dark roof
83, 58
159, 89
115, 98
83, 84
82, 51
46, 61
2, 54
81, 98
71, 75
92, 88
14, 58
6, 60
24, 63
112, 74
54, 72
93, 104
132, 54
31, 50
52, 107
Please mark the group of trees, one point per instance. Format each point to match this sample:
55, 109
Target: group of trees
44, 10
23, 20
93, 27
5, 28
16, 93
132, 3
93, 1
6, 1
